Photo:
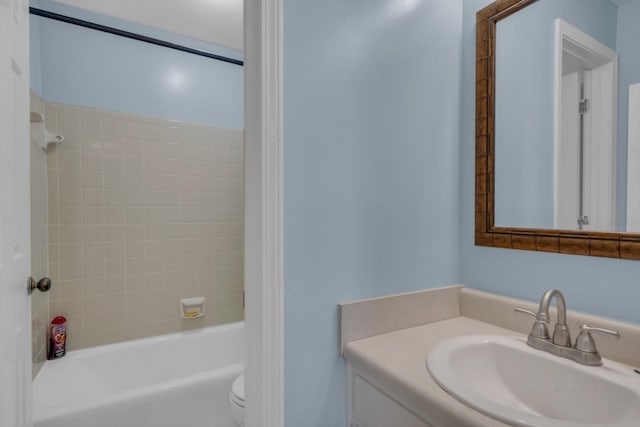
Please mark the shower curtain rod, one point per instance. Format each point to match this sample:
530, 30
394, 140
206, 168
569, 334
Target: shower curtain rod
115, 31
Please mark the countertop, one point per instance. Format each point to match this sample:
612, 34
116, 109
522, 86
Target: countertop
396, 363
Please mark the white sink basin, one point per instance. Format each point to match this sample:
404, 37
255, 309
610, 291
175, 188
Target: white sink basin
507, 380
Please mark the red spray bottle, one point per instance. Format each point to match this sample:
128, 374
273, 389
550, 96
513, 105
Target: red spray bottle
57, 338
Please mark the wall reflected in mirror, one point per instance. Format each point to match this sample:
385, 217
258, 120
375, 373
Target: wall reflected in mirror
567, 110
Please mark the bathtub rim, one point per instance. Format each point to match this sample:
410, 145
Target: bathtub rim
88, 351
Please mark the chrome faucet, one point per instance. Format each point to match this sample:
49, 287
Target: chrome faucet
561, 335
584, 351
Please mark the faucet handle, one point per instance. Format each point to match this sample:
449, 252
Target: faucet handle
525, 311
601, 331
539, 328
585, 342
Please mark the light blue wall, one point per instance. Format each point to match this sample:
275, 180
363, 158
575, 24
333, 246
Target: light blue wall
525, 56
629, 65
601, 286
371, 176
88, 68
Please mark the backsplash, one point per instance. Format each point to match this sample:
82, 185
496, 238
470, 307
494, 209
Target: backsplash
142, 213
39, 236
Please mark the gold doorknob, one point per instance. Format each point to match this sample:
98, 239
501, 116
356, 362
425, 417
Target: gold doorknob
43, 285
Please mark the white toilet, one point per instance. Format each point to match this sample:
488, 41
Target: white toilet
236, 400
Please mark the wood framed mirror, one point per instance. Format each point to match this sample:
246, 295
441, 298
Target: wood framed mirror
612, 242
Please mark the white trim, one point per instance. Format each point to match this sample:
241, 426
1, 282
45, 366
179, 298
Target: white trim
600, 147
633, 161
264, 211
557, 114
588, 49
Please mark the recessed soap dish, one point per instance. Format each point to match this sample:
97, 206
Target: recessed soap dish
192, 308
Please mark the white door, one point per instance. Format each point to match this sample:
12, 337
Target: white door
600, 148
15, 250
567, 174
633, 161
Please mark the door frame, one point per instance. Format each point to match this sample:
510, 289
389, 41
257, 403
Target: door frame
264, 213
632, 223
263, 50
580, 44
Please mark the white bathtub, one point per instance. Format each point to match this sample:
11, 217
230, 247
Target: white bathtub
176, 380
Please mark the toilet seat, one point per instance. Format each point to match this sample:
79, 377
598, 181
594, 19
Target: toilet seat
237, 391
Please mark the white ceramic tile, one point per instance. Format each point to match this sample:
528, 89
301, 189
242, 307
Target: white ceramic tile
70, 270
135, 232
91, 121
157, 182
113, 145
154, 165
114, 163
72, 142
93, 233
68, 307
70, 196
115, 267
116, 302
92, 179
114, 232
115, 285
134, 129
93, 215
70, 178
69, 215
133, 146
92, 197
93, 268
114, 215
70, 252
91, 143
126, 224
114, 198
94, 287
153, 264
134, 164
93, 161
68, 121
134, 181
114, 249
67, 233
52, 180
155, 248
113, 181
94, 251
113, 125
135, 248
95, 304
94, 322
134, 198
70, 160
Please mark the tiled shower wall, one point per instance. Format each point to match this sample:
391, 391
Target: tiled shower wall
39, 232
142, 213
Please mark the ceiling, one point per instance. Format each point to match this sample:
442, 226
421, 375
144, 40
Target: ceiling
214, 21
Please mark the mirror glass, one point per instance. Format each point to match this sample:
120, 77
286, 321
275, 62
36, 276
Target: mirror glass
567, 116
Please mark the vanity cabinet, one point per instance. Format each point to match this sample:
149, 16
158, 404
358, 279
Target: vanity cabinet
368, 406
